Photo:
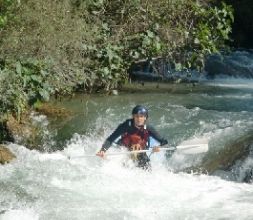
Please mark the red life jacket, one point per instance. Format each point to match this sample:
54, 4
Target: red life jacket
139, 137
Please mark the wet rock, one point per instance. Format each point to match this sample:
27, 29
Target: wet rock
5, 155
23, 132
236, 64
4, 133
37, 131
227, 157
248, 178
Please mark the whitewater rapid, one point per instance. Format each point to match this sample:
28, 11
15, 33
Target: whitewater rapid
50, 186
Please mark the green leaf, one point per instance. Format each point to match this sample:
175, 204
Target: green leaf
43, 72
178, 66
44, 94
150, 34
196, 41
18, 68
37, 104
36, 78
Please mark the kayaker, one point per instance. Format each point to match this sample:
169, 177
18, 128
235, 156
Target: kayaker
135, 134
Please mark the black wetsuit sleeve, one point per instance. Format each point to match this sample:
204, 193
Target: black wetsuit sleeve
121, 129
153, 133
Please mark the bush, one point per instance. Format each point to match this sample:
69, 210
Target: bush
23, 83
90, 44
183, 32
13, 99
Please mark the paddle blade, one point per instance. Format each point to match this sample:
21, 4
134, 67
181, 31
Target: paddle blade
194, 146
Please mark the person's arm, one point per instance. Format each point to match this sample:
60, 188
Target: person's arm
108, 142
158, 137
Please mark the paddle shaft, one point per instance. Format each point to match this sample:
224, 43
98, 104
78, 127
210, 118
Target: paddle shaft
179, 147
140, 151
203, 147
128, 152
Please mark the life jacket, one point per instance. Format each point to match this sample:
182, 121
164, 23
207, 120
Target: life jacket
139, 136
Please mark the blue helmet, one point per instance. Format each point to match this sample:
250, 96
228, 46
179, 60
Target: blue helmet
138, 109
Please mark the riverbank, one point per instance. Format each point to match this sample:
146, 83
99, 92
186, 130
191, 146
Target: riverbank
158, 87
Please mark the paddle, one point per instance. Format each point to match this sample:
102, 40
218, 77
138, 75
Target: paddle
187, 147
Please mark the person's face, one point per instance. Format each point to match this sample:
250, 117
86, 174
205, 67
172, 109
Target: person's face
139, 120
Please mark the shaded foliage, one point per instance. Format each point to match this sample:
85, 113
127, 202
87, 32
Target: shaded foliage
242, 33
90, 44
6, 11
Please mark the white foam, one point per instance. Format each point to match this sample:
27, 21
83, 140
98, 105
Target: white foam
240, 96
91, 188
27, 214
230, 82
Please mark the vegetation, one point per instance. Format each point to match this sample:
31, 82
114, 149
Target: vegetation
51, 47
242, 27
6, 12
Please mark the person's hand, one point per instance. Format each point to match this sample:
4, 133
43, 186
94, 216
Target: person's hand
136, 147
101, 154
156, 149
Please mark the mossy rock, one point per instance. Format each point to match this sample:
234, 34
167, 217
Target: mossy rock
27, 132
52, 111
5, 155
23, 132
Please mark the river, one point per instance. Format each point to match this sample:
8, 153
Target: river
49, 186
